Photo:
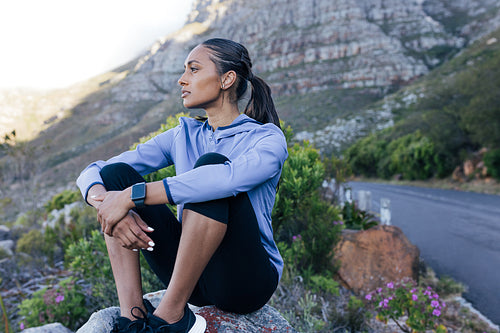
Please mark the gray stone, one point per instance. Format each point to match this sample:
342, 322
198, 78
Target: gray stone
7, 246
4, 232
263, 320
49, 328
100, 321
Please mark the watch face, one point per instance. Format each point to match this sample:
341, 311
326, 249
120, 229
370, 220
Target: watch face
138, 191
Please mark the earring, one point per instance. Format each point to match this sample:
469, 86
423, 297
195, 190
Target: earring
223, 86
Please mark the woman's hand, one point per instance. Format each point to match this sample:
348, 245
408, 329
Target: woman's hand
131, 233
113, 207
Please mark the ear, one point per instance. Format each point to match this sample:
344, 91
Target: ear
228, 79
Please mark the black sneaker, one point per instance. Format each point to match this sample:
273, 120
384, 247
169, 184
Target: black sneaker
139, 325
190, 323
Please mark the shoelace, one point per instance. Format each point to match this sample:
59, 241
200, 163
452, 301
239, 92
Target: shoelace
140, 321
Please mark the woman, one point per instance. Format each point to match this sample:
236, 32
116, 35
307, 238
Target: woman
221, 250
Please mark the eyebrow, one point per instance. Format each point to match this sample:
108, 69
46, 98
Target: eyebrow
192, 61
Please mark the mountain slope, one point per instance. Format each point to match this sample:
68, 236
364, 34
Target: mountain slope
324, 60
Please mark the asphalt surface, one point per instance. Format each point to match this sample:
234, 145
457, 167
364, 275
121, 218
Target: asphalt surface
458, 234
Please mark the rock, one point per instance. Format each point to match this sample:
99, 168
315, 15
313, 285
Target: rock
7, 246
266, 319
100, 321
370, 258
458, 175
49, 328
4, 232
468, 168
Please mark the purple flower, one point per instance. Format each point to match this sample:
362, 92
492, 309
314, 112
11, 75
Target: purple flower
436, 296
368, 297
298, 237
379, 290
436, 312
414, 297
59, 298
434, 304
390, 285
21, 326
413, 290
386, 301
427, 292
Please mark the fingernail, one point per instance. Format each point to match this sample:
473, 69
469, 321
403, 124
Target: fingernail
135, 250
151, 243
93, 196
150, 249
151, 229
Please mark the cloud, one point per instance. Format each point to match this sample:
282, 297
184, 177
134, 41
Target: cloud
54, 43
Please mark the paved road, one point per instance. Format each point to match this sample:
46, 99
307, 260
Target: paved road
458, 234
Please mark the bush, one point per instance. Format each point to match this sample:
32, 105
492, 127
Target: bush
412, 156
64, 303
420, 306
89, 259
59, 200
299, 210
34, 244
357, 219
492, 162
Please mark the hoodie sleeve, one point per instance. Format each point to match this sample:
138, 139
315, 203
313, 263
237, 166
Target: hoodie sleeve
257, 165
146, 158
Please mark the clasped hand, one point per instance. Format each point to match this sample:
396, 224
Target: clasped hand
119, 221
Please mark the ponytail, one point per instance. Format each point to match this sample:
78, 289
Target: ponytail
261, 105
231, 56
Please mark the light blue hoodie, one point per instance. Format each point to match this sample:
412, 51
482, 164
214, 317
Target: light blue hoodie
256, 154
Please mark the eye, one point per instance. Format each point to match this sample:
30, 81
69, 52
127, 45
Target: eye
194, 69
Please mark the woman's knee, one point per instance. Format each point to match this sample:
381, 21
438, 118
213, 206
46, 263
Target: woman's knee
210, 158
118, 176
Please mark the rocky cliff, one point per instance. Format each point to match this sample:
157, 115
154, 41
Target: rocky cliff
325, 60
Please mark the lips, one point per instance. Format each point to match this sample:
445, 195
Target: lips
184, 93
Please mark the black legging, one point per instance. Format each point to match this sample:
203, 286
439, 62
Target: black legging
239, 277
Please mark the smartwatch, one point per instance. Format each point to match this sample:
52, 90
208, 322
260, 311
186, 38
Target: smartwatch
138, 194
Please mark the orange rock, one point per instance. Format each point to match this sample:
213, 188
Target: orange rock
468, 168
371, 258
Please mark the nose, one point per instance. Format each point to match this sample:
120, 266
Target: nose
182, 81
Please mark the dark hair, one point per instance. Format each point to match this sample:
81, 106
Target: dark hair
232, 56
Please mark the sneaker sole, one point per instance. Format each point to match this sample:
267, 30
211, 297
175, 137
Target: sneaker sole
199, 325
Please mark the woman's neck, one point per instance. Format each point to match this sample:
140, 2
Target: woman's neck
221, 118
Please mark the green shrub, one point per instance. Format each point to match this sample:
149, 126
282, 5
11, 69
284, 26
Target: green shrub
301, 177
357, 219
34, 244
89, 259
492, 162
412, 156
365, 154
59, 200
64, 303
299, 210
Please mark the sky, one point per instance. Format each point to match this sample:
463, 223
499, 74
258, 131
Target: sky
52, 44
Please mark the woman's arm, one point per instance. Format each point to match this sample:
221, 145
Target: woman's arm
113, 206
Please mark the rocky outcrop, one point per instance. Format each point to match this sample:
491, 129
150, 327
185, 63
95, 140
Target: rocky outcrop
325, 61
49, 328
373, 257
266, 319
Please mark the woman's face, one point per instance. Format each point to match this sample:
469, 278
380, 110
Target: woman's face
201, 83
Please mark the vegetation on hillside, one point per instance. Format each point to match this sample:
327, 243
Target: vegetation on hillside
458, 114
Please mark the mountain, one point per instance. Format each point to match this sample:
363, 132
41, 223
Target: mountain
326, 61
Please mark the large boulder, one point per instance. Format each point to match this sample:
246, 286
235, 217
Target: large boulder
49, 328
371, 258
266, 319
7, 246
4, 232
